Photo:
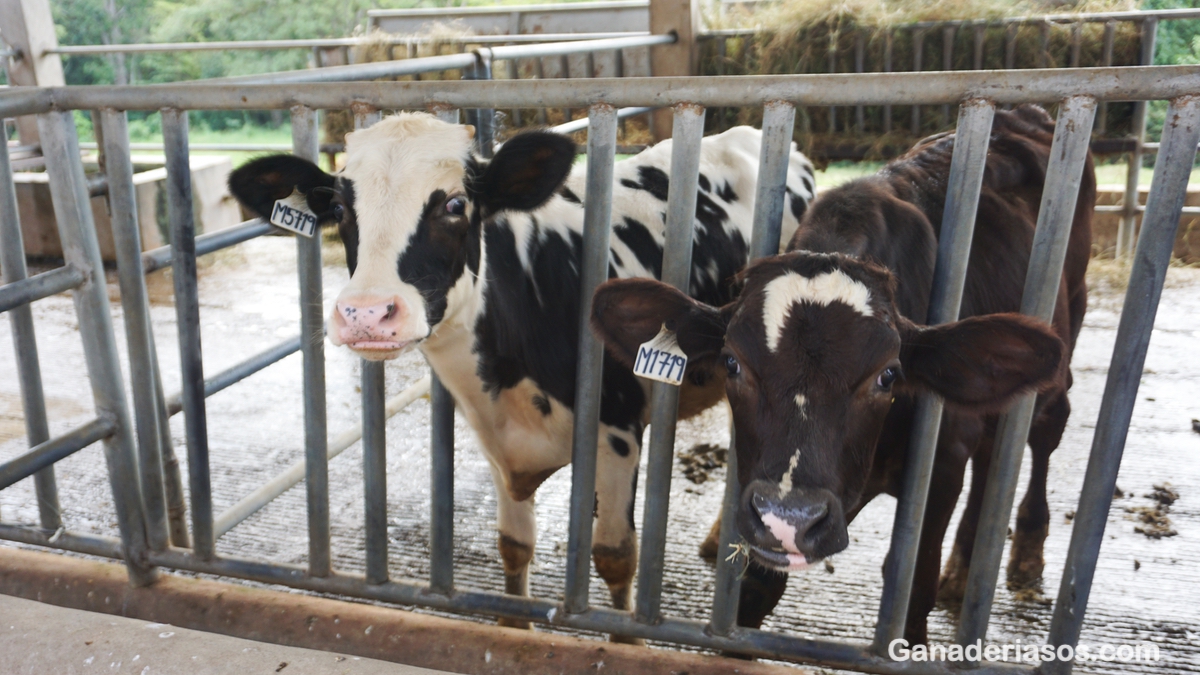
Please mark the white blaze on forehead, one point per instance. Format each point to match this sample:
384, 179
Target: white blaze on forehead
791, 288
802, 403
785, 483
395, 166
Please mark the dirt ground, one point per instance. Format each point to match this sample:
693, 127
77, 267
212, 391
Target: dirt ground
1146, 588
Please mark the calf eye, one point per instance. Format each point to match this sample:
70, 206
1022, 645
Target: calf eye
338, 212
887, 377
732, 367
456, 206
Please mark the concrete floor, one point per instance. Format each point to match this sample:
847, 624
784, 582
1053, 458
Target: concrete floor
1145, 589
40, 639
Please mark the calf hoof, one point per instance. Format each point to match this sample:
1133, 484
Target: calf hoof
1025, 563
952, 586
627, 640
515, 623
709, 547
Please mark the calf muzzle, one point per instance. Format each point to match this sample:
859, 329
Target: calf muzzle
788, 530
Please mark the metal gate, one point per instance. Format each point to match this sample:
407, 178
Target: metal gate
146, 541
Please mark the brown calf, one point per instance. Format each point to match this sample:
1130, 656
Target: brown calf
823, 352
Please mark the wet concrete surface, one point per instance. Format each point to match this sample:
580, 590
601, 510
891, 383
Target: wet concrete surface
1145, 590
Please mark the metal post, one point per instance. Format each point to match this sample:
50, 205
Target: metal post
33, 400
1126, 230
514, 73
948, 33
832, 70
918, 45
779, 121
1043, 54
1056, 216
859, 58
312, 349
1151, 259
187, 312
687, 132
483, 119
375, 471
138, 330
597, 226
980, 39
1110, 31
441, 493
889, 42
949, 278
77, 231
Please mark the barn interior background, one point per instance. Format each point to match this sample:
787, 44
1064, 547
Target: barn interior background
1148, 568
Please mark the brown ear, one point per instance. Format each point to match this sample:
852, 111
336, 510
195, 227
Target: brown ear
629, 312
981, 363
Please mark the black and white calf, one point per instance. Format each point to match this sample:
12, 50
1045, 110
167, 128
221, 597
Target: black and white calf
477, 264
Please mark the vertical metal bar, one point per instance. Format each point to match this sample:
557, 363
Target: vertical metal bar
949, 278
597, 219
948, 33
889, 42
374, 440
483, 119
539, 73
722, 56
187, 313
1056, 216
77, 231
1110, 31
441, 523
1076, 42
779, 121
980, 40
564, 71
918, 41
514, 72
1181, 132
127, 240
1043, 53
33, 400
312, 349
374, 443
1126, 230
686, 134
172, 477
860, 48
1010, 45
833, 46
590, 64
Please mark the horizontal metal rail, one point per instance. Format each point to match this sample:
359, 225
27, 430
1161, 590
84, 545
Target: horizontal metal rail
241, 371
46, 454
1004, 87
158, 258
38, 286
565, 7
204, 147
428, 64
330, 43
285, 481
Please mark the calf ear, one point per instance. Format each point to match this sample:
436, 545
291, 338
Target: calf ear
525, 172
261, 182
981, 363
628, 312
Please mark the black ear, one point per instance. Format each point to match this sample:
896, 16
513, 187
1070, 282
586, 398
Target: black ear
629, 312
981, 363
525, 172
261, 182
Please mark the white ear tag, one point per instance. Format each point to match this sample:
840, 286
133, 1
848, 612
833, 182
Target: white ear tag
292, 213
661, 359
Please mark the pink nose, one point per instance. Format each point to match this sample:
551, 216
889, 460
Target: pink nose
370, 323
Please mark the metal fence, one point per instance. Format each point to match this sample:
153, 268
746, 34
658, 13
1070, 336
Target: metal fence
142, 500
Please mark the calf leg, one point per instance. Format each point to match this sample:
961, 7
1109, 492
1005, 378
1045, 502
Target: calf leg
943, 495
614, 536
1025, 561
518, 535
953, 584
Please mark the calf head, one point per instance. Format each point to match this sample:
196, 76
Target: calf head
410, 206
814, 353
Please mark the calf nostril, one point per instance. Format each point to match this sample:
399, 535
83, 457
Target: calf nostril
391, 311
